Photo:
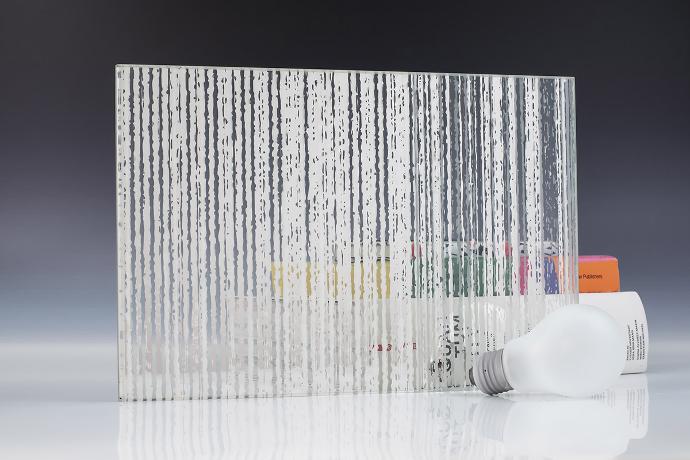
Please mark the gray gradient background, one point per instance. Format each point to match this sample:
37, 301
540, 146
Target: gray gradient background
57, 144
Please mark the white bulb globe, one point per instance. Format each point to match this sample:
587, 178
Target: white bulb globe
577, 350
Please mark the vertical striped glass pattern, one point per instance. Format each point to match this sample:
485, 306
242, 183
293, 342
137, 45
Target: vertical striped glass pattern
313, 231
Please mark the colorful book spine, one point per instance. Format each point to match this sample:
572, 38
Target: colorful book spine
599, 274
462, 276
465, 272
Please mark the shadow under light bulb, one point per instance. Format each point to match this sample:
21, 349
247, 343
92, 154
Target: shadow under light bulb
577, 350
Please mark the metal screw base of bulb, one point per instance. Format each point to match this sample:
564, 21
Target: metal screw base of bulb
488, 373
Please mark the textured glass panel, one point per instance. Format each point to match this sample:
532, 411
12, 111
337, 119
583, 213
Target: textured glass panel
310, 231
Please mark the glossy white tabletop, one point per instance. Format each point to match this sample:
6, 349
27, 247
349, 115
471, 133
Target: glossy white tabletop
58, 401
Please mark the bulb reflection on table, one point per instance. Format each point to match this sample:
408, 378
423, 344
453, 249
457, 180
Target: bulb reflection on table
411, 425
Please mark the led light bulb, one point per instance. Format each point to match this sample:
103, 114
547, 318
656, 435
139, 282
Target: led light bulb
577, 350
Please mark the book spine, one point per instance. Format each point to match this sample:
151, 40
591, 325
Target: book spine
599, 274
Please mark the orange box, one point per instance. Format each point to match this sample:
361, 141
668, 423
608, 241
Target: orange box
599, 274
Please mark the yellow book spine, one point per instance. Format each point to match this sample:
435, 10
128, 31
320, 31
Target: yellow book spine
313, 276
